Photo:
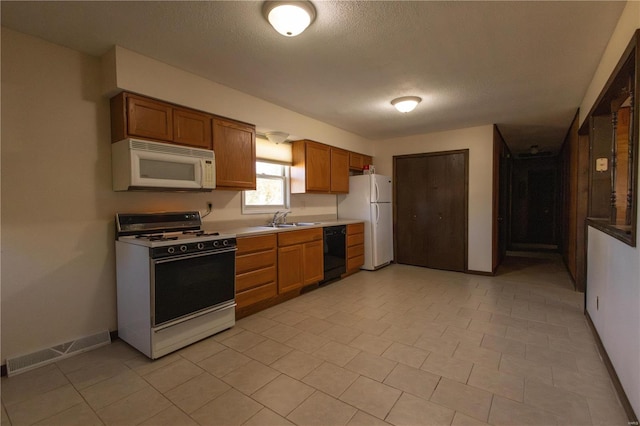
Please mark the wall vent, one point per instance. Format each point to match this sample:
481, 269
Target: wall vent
42, 357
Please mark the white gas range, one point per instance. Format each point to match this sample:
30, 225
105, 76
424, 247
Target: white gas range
176, 282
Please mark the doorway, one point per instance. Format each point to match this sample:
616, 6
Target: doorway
431, 209
535, 205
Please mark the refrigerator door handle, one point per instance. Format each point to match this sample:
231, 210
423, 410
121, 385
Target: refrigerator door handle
377, 192
377, 213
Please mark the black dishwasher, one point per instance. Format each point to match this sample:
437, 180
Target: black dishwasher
334, 252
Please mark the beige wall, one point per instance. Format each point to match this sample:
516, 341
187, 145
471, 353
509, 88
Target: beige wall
613, 271
479, 142
58, 266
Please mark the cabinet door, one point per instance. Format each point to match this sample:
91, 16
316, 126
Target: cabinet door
339, 171
355, 161
149, 119
313, 262
290, 268
234, 145
318, 167
367, 159
192, 128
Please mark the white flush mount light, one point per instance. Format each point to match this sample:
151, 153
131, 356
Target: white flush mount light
277, 137
406, 103
289, 18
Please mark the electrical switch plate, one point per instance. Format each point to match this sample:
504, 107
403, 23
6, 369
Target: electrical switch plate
602, 164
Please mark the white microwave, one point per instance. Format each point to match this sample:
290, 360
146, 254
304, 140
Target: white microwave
144, 165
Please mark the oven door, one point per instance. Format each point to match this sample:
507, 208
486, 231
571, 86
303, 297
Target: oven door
192, 284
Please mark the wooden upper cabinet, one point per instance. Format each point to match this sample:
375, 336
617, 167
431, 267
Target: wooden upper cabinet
234, 145
319, 168
355, 161
339, 171
140, 117
148, 118
192, 128
358, 161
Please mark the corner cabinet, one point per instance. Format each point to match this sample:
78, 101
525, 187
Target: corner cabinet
300, 259
319, 168
234, 144
256, 270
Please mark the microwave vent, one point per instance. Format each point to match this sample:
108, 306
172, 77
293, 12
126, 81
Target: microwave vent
170, 149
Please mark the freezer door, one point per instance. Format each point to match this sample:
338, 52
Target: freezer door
380, 189
381, 242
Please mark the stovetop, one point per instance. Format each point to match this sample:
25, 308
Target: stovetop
167, 229
162, 239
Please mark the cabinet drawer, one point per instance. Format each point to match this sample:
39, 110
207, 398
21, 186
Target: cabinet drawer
255, 278
354, 251
355, 262
355, 228
299, 237
253, 244
255, 295
355, 239
253, 261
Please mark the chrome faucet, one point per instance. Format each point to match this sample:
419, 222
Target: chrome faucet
279, 215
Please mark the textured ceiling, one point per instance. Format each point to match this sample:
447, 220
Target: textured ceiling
522, 65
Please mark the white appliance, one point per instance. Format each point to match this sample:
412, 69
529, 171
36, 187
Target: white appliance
369, 200
145, 165
175, 281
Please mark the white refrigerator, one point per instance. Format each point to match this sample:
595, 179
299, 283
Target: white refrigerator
369, 200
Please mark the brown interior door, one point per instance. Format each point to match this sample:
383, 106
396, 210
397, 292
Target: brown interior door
431, 210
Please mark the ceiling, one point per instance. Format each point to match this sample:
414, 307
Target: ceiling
522, 65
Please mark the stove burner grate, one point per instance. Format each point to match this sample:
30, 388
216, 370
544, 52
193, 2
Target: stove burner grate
201, 233
156, 237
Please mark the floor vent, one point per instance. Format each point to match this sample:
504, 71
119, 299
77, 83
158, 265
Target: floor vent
37, 359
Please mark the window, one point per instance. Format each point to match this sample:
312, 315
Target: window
272, 189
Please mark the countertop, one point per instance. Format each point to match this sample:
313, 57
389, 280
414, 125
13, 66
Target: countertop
262, 230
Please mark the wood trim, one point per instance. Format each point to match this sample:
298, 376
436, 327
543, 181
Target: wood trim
498, 140
584, 129
631, 415
488, 274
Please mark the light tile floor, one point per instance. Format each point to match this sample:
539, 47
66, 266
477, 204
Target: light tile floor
403, 346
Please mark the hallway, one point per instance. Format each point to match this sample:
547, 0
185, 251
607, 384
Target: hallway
403, 345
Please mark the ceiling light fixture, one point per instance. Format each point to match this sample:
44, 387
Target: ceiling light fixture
277, 137
289, 18
406, 103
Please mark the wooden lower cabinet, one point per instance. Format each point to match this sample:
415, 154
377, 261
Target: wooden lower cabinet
256, 269
300, 260
355, 247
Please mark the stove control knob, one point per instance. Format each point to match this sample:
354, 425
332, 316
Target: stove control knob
216, 243
171, 250
225, 243
200, 246
183, 248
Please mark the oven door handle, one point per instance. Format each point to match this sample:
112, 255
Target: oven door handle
192, 255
